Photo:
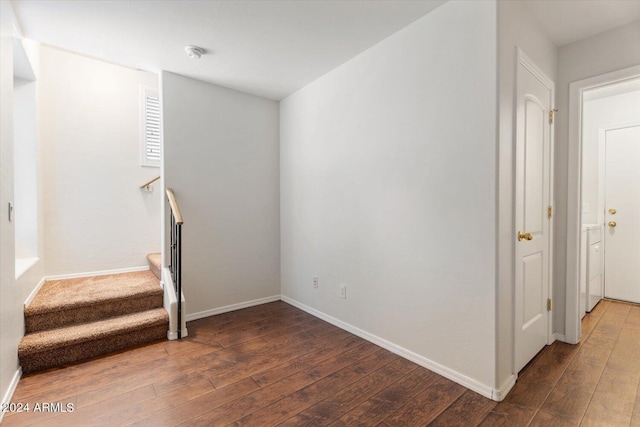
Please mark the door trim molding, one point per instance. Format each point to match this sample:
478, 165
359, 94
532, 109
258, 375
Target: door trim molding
574, 193
524, 60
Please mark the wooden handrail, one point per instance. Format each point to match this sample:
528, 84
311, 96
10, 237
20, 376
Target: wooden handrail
146, 185
174, 206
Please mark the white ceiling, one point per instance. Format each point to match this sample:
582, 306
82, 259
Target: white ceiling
268, 48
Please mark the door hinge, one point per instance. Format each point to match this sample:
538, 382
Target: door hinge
549, 211
548, 304
552, 115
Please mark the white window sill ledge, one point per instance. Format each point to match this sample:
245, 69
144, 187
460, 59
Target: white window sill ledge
24, 264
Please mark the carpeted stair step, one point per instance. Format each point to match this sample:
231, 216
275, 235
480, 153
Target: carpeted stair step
45, 349
67, 302
155, 264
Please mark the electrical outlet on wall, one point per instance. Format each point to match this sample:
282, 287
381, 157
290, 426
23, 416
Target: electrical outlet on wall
315, 282
343, 291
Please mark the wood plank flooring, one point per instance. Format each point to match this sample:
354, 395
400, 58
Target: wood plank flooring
276, 365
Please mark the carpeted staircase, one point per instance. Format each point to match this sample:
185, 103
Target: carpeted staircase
74, 319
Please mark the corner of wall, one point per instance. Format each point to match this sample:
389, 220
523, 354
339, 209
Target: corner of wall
8, 308
500, 393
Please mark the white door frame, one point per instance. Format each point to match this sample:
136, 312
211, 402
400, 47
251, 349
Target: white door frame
525, 61
574, 191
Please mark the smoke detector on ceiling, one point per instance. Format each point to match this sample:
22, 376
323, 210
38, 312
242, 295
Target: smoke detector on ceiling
194, 52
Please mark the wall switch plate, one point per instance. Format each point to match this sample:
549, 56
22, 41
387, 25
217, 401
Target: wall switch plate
315, 282
343, 291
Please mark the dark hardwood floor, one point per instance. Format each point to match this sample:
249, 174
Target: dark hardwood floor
276, 365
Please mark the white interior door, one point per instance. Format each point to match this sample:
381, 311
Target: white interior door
622, 213
532, 198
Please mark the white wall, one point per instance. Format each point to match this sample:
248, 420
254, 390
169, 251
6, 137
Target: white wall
96, 216
515, 29
9, 311
388, 186
600, 54
599, 114
221, 160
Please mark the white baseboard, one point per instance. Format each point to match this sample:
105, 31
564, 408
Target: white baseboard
505, 388
34, 292
97, 273
12, 388
232, 307
448, 373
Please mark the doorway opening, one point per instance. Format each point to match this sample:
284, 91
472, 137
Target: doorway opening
602, 108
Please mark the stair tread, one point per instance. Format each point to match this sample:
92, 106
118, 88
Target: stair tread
65, 294
38, 342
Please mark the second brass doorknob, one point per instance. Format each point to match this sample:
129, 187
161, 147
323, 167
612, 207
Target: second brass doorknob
612, 224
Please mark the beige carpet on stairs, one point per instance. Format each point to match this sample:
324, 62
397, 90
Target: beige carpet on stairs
73, 319
84, 299
60, 346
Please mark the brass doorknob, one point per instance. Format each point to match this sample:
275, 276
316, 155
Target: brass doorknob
612, 211
612, 224
524, 236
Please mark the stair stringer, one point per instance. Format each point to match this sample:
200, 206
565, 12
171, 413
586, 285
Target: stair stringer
170, 304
